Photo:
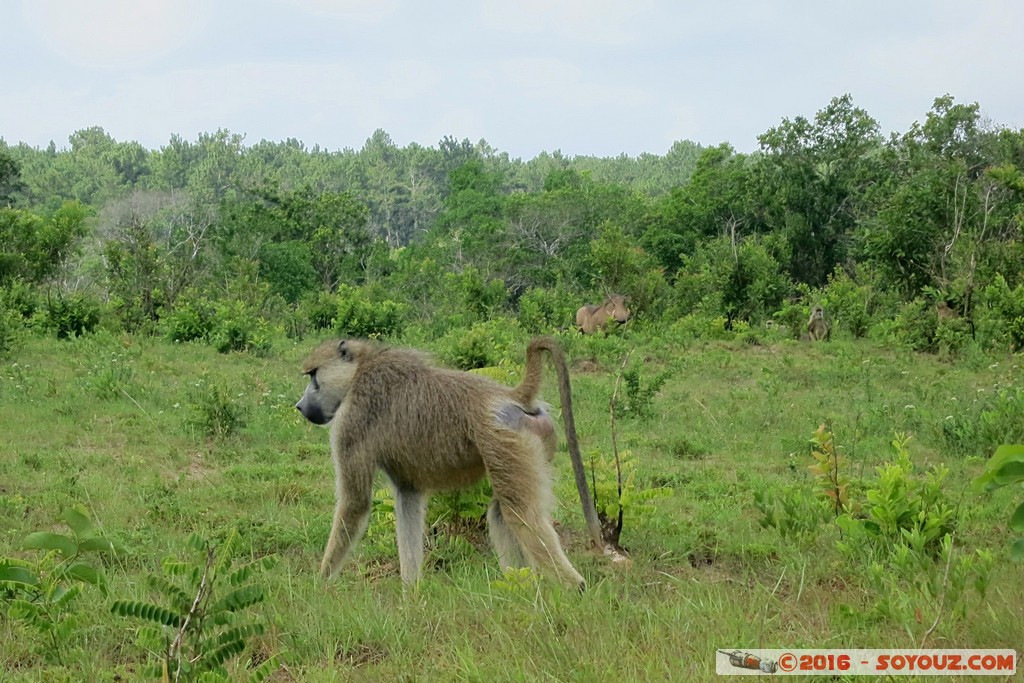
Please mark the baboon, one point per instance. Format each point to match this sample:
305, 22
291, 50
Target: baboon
817, 327
432, 429
592, 318
945, 312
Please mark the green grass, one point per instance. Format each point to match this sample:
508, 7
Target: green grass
111, 423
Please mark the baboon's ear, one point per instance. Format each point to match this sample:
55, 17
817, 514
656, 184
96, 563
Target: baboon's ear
343, 350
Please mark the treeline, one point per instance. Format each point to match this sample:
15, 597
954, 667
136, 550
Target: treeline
217, 240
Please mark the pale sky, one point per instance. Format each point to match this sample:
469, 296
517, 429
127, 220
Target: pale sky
587, 77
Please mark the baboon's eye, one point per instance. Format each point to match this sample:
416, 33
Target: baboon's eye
312, 378
343, 351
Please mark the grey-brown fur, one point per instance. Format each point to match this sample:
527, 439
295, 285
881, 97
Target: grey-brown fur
818, 327
944, 312
432, 429
591, 318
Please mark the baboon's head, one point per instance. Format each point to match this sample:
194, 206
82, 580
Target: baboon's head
818, 313
330, 367
616, 307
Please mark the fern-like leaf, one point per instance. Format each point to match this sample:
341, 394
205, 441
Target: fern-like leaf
222, 654
239, 599
147, 611
260, 673
241, 633
64, 597
243, 573
226, 552
176, 595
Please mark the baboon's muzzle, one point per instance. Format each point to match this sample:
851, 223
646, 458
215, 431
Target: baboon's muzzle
313, 413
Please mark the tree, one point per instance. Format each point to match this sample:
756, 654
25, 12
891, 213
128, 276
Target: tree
10, 179
33, 247
811, 183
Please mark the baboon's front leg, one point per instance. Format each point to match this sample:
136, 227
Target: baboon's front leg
410, 517
351, 514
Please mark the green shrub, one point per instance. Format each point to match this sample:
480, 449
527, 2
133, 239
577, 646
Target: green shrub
638, 397
11, 324
319, 310
853, 305
543, 310
202, 621
71, 315
1001, 313
913, 327
238, 328
482, 345
215, 413
793, 318
42, 592
1006, 468
288, 267
193, 319
358, 316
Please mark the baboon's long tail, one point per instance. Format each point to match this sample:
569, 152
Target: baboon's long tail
526, 394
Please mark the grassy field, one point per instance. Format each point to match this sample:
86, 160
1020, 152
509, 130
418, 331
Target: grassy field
115, 424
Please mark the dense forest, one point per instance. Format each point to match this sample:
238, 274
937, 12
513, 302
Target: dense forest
234, 243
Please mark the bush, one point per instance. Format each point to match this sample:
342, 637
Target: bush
319, 310
544, 310
71, 315
1002, 314
239, 329
913, 327
192, 319
793, 318
215, 413
853, 305
638, 399
358, 316
482, 345
11, 323
287, 266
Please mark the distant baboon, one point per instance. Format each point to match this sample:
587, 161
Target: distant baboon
431, 429
817, 327
592, 318
945, 312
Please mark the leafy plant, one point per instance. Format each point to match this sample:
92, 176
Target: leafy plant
72, 315
639, 396
239, 328
193, 319
42, 593
544, 310
793, 512
627, 498
482, 345
902, 509
358, 316
1006, 468
200, 623
905, 539
826, 469
215, 413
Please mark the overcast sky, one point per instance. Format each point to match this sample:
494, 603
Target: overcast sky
598, 77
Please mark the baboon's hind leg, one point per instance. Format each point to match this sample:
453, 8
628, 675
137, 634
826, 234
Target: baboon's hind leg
522, 490
505, 544
410, 517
